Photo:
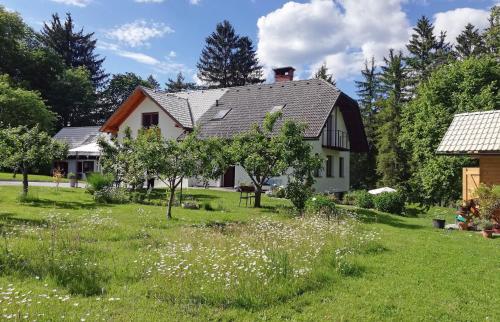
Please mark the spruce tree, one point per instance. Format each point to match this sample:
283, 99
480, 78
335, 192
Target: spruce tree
363, 166
153, 83
322, 73
391, 165
179, 84
426, 52
75, 47
228, 60
470, 43
492, 33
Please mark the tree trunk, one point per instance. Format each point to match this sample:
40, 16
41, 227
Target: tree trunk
258, 193
25, 182
170, 203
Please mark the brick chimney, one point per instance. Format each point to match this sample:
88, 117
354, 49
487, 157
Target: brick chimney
283, 74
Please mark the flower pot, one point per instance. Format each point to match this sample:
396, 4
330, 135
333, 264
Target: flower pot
438, 223
487, 233
496, 230
463, 226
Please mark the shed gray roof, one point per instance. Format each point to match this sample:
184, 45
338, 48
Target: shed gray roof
78, 136
472, 133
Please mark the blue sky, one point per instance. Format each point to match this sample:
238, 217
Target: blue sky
163, 37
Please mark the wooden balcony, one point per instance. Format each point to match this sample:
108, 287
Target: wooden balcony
337, 140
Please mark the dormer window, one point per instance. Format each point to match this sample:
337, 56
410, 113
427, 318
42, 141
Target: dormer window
220, 115
149, 120
277, 108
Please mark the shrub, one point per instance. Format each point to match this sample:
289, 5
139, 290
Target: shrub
298, 193
489, 201
208, 206
112, 195
97, 181
391, 202
321, 205
363, 199
359, 198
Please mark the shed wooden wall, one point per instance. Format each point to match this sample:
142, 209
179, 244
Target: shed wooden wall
490, 169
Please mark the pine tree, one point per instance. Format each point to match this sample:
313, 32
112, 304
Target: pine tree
179, 84
153, 83
470, 43
391, 157
228, 60
322, 73
492, 33
426, 52
247, 68
75, 47
363, 166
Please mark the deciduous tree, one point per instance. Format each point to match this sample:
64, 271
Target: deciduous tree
25, 149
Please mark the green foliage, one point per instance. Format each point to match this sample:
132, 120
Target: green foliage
492, 33
110, 194
22, 107
228, 59
24, 149
73, 89
298, 192
179, 84
489, 202
117, 91
321, 205
97, 181
391, 202
75, 47
322, 73
464, 86
470, 42
265, 152
168, 160
359, 198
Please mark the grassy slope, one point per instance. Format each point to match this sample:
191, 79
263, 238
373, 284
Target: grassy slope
421, 274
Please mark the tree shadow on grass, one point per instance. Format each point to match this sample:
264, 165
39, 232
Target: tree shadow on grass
370, 216
11, 219
46, 203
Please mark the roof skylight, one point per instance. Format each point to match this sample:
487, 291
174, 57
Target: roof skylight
220, 114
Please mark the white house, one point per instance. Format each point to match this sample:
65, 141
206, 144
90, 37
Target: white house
333, 119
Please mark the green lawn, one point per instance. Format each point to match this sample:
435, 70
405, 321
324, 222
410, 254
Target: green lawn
65, 256
6, 176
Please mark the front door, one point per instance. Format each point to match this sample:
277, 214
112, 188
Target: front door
228, 178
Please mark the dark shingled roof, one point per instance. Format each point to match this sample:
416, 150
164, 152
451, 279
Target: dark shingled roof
78, 136
305, 101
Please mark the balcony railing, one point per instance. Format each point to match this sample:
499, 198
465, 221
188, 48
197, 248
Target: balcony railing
335, 140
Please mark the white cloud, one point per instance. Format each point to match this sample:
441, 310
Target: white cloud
342, 33
172, 54
138, 33
138, 57
77, 3
454, 21
194, 2
149, 1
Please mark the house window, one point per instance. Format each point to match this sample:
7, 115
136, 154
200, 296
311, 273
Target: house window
329, 166
317, 172
149, 120
341, 167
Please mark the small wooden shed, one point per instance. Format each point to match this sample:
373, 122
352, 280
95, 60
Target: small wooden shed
476, 135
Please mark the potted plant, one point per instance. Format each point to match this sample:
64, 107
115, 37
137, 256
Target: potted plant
439, 221
487, 228
72, 179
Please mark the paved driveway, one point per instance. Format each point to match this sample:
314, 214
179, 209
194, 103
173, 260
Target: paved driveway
40, 184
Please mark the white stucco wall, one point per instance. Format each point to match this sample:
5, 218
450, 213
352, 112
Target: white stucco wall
165, 123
